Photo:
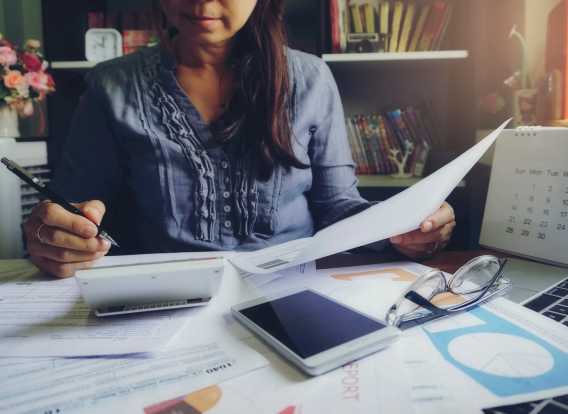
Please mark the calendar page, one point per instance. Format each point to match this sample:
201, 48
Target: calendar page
527, 205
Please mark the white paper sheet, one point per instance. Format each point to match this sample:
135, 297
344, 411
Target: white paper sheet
45, 316
399, 214
12, 269
84, 385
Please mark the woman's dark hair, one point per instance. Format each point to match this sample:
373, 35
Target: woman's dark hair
262, 92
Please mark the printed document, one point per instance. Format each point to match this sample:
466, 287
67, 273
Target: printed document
399, 214
124, 384
45, 316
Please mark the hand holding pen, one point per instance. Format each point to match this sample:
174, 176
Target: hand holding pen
63, 237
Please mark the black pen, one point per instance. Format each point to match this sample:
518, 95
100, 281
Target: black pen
41, 188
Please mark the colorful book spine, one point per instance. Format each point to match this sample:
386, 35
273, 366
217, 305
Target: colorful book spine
369, 18
400, 129
367, 146
374, 143
352, 150
334, 23
445, 25
356, 16
360, 148
344, 24
382, 147
390, 145
417, 127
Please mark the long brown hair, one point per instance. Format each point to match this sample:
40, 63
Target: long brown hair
262, 94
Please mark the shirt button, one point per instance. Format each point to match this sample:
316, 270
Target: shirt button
226, 194
226, 179
227, 209
228, 224
224, 164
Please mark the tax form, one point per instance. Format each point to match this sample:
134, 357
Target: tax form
44, 316
82, 385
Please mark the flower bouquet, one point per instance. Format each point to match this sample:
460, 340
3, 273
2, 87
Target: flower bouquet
22, 76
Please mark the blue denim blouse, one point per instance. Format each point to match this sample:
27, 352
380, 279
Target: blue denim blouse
136, 127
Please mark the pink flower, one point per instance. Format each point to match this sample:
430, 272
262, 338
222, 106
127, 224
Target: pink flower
13, 78
6, 44
31, 62
9, 56
50, 82
38, 81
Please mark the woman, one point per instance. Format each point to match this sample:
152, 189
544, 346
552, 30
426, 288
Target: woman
226, 139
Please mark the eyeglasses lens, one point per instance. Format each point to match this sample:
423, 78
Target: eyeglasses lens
476, 274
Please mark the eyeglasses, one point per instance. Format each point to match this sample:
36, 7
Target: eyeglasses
475, 282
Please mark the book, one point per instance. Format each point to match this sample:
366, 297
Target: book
437, 39
373, 145
405, 141
371, 161
384, 27
388, 145
134, 40
384, 146
334, 23
391, 134
432, 27
417, 128
420, 154
419, 28
359, 146
356, 17
396, 21
429, 110
352, 149
344, 24
445, 26
369, 18
406, 28
376, 137
96, 20
110, 21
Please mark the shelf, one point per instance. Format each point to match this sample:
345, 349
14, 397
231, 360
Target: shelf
74, 66
383, 62
387, 181
557, 123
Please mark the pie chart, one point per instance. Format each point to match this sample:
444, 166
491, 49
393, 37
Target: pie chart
501, 354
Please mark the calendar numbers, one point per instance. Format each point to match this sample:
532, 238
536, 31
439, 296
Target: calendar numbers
525, 233
531, 198
548, 200
561, 227
514, 208
527, 222
511, 219
550, 188
529, 209
546, 212
544, 224
563, 214
541, 236
510, 230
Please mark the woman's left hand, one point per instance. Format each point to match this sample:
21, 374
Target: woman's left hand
433, 235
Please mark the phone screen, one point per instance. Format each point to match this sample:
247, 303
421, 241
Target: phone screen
308, 323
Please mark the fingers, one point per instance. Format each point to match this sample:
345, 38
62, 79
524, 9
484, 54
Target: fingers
55, 236
443, 216
63, 255
418, 237
60, 269
56, 216
93, 209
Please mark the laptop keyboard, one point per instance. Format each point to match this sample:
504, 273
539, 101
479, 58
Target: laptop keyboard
556, 405
553, 303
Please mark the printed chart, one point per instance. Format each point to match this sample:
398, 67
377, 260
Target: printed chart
501, 356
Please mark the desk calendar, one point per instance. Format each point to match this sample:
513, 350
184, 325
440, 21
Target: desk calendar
527, 204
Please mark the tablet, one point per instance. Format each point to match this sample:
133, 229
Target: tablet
314, 332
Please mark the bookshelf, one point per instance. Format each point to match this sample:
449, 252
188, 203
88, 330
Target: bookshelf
384, 180
354, 63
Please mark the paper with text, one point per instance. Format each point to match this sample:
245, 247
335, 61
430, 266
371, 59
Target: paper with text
399, 214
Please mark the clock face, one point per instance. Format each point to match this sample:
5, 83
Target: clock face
102, 44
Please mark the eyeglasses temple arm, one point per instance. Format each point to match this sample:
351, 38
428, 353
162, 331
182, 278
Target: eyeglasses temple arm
419, 300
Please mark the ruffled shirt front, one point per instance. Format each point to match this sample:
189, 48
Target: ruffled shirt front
136, 132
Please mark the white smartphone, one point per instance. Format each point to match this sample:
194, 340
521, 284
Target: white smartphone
315, 333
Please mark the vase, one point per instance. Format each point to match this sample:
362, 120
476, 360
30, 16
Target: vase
8, 122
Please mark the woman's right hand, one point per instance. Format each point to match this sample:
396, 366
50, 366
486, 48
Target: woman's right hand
70, 241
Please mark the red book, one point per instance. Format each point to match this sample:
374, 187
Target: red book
557, 48
334, 16
128, 21
96, 20
433, 26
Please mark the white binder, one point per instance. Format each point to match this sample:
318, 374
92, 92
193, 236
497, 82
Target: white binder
526, 212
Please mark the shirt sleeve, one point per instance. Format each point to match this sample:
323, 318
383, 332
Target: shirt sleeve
334, 195
91, 167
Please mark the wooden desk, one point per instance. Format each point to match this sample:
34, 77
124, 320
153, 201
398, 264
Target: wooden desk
447, 261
